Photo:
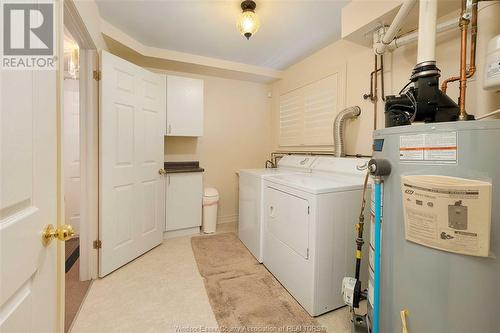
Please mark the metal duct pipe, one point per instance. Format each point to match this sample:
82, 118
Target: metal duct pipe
338, 128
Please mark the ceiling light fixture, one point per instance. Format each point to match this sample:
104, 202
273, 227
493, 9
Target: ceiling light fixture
248, 22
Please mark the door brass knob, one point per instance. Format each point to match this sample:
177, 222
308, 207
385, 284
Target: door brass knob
63, 233
162, 172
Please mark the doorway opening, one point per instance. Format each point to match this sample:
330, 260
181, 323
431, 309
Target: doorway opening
76, 286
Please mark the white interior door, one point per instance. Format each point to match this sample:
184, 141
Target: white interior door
28, 200
132, 126
72, 154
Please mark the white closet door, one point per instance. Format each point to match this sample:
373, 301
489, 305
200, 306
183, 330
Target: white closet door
132, 118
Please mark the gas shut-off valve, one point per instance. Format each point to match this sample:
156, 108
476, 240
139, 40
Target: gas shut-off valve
379, 167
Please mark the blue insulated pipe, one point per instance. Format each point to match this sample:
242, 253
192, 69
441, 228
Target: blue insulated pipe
378, 168
376, 264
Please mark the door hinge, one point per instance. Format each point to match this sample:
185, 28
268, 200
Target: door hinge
97, 75
307, 253
97, 244
308, 210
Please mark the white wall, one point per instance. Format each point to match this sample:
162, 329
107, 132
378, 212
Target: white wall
237, 135
237, 129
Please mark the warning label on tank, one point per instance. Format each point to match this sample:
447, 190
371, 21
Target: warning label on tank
448, 213
433, 148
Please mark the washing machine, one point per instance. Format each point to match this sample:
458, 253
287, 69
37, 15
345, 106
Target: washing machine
250, 223
309, 232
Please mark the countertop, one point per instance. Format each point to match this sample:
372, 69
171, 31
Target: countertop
181, 167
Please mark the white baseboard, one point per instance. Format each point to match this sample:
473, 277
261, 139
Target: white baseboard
227, 219
182, 232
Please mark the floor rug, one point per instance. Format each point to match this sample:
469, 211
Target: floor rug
243, 294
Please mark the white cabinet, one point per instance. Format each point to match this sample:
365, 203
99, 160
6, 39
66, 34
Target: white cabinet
184, 106
184, 192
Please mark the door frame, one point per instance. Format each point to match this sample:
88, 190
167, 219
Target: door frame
89, 141
89, 151
89, 165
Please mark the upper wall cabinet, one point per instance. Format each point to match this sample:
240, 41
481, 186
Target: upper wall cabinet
184, 106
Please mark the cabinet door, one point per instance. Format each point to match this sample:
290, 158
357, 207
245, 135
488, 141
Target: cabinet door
184, 106
184, 199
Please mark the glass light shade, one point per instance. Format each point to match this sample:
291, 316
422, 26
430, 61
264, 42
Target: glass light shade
248, 23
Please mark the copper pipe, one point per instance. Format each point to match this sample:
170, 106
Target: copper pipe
473, 41
375, 97
444, 85
463, 70
371, 96
382, 76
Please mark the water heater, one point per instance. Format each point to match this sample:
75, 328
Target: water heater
438, 291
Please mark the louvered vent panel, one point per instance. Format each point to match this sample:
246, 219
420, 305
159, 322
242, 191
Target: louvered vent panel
291, 113
320, 109
307, 113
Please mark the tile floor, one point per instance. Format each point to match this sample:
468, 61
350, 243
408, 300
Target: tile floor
159, 292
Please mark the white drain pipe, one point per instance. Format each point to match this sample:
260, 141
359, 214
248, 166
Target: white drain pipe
427, 21
413, 36
390, 42
395, 26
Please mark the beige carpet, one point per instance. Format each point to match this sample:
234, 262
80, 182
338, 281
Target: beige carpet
242, 293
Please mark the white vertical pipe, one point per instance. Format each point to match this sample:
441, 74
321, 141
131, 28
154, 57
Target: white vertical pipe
427, 31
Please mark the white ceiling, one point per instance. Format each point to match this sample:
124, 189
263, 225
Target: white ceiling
289, 31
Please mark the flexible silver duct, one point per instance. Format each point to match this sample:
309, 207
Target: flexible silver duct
339, 125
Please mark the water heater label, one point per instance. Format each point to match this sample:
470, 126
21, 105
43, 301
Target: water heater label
448, 213
432, 148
